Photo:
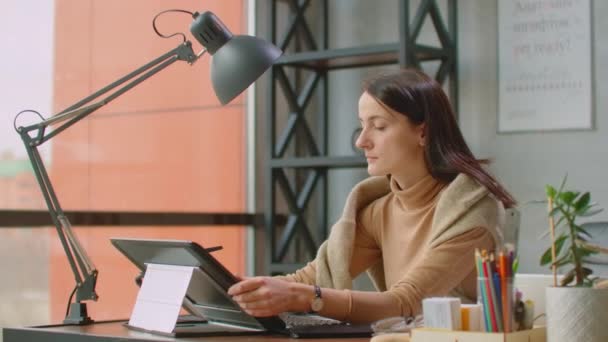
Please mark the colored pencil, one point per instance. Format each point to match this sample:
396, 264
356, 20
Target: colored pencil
496, 292
502, 267
482, 291
490, 292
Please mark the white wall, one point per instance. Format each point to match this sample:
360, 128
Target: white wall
525, 162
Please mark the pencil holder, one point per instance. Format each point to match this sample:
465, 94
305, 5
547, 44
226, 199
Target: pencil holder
497, 302
508, 310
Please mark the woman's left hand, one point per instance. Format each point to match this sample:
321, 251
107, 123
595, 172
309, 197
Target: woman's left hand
266, 296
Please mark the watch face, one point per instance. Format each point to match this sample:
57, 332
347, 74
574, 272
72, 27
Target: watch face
317, 304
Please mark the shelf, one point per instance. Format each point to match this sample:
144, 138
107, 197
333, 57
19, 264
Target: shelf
370, 55
343, 58
318, 162
430, 53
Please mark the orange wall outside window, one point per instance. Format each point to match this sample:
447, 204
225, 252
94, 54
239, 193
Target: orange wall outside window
165, 146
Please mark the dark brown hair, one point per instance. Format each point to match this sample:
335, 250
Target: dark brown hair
422, 100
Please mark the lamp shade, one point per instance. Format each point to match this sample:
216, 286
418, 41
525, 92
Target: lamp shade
237, 61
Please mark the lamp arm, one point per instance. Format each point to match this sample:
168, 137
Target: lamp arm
84, 270
78, 111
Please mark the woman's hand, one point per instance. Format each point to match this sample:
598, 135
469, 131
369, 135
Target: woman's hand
267, 296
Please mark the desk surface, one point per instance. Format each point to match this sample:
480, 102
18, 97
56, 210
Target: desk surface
115, 331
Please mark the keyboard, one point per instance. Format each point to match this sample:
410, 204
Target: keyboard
297, 319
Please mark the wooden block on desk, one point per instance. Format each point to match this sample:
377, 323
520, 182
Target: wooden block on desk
391, 337
538, 334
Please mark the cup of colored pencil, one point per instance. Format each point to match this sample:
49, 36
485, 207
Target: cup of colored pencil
495, 289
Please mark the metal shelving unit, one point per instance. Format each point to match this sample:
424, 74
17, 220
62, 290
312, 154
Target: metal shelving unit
298, 159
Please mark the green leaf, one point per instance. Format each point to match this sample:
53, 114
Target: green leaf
546, 258
585, 252
550, 191
566, 211
590, 213
589, 282
563, 261
583, 201
559, 222
580, 229
568, 197
587, 271
583, 210
571, 276
555, 210
568, 277
561, 187
559, 242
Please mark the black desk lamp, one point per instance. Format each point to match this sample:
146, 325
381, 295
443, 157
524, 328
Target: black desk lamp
237, 62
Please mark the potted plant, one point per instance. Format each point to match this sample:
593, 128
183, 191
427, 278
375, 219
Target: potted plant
577, 307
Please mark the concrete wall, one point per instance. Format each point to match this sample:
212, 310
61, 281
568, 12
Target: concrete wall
524, 162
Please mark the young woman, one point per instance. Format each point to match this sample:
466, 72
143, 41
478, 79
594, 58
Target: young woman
413, 225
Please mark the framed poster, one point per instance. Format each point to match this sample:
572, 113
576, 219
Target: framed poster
544, 65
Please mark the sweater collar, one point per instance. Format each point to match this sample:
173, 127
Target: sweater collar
419, 194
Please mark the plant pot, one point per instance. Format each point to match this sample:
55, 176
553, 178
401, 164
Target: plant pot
576, 314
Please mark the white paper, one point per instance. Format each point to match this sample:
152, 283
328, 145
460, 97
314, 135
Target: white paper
160, 297
544, 69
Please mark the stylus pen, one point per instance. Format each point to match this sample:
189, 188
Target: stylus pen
213, 249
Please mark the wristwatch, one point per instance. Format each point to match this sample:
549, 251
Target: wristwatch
317, 303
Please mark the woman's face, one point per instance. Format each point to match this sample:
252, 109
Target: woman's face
392, 144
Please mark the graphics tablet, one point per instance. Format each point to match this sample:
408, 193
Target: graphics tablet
208, 297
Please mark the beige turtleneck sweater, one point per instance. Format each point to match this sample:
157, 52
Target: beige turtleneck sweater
395, 231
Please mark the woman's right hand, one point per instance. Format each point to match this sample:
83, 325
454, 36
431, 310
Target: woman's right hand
267, 296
